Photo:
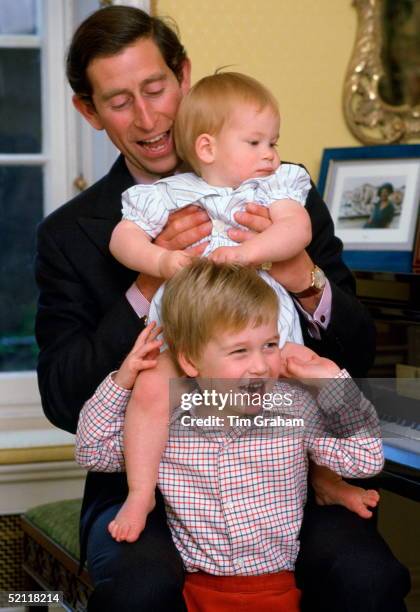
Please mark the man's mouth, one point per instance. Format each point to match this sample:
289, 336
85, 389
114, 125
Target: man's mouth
157, 144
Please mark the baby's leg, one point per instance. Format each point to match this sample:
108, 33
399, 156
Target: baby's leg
145, 436
331, 489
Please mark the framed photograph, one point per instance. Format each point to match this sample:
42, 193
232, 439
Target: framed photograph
416, 254
373, 195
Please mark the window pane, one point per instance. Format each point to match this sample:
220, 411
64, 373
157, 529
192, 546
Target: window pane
21, 195
18, 17
20, 101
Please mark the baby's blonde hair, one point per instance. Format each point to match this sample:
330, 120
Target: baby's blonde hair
206, 298
210, 103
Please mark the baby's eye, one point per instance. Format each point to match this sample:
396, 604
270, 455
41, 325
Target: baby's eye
238, 351
253, 143
274, 144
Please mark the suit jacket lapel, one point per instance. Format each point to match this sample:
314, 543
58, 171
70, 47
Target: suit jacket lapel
103, 210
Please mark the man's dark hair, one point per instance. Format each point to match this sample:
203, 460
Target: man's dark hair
110, 30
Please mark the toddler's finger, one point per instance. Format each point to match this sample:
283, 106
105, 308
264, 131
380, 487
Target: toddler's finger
148, 347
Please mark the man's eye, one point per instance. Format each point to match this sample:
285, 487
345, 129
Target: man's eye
118, 104
154, 92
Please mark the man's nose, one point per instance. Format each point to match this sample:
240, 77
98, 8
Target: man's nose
144, 115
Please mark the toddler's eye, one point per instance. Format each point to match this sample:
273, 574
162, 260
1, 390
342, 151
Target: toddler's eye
272, 345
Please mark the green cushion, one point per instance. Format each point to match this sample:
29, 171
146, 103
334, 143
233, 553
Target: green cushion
60, 522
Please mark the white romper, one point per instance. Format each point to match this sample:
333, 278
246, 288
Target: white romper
150, 205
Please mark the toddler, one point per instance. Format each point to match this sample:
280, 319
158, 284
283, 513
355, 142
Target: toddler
234, 495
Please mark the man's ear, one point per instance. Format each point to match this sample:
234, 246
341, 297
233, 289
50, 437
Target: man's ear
187, 365
87, 109
185, 82
205, 147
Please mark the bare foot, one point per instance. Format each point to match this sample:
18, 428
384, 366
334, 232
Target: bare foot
131, 519
353, 498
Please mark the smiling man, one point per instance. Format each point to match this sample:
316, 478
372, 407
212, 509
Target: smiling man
135, 97
129, 72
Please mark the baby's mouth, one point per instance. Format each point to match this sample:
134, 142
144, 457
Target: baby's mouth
156, 144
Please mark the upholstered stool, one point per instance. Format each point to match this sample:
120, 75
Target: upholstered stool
51, 552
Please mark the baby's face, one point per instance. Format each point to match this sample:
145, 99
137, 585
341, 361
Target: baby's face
246, 146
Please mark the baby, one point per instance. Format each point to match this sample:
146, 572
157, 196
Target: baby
227, 129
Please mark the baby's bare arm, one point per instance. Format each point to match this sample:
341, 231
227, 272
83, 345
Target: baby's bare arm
287, 236
134, 249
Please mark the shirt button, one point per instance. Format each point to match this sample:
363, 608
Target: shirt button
218, 226
229, 505
239, 562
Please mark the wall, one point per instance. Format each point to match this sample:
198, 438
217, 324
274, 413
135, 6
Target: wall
300, 49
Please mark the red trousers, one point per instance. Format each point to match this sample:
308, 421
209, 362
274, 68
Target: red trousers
266, 593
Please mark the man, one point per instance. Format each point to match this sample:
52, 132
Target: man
129, 72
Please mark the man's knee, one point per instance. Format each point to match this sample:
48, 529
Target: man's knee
372, 586
156, 589
145, 575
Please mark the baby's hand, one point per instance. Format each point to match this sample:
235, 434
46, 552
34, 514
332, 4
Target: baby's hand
172, 261
229, 255
142, 356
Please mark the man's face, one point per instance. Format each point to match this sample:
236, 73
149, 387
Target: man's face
136, 98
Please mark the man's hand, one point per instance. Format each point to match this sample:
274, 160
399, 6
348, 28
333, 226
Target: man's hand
255, 219
305, 365
142, 356
295, 273
184, 228
223, 255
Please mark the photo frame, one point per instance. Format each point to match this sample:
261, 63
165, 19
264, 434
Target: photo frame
373, 195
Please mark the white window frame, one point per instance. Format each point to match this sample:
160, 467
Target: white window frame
19, 396
71, 148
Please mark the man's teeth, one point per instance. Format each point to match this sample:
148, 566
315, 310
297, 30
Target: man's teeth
155, 142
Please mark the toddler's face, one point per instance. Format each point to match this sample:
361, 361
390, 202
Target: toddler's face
246, 146
244, 362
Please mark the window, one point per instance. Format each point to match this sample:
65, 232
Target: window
33, 159
44, 147
37, 169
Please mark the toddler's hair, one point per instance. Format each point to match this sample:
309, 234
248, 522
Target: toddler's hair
206, 298
210, 103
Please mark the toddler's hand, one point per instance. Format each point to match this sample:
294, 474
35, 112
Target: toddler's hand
142, 356
172, 261
229, 255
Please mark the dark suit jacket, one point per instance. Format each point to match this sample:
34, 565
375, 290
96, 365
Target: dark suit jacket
85, 326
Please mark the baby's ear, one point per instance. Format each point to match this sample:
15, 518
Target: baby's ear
187, 365
205, 147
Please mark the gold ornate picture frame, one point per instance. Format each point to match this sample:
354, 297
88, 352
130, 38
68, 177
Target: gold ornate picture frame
370, 118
